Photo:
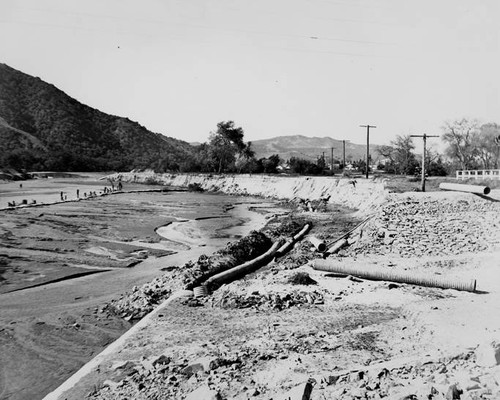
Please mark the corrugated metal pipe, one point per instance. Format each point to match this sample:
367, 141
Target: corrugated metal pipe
337, 246
319, 244
342, 241
302, 232
243, 269
379, 274
458, 187
290, 242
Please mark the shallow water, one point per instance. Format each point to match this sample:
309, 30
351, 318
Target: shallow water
52, 241
191, 224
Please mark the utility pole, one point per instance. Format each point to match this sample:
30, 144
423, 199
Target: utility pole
424, 136
331, 167
367, 146
343, 154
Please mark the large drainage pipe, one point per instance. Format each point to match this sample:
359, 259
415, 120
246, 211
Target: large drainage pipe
290, 242
465, 188
318, 244
337, 246
379, 274
243, 269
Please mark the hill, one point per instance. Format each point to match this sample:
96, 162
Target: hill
41, 127
309, 148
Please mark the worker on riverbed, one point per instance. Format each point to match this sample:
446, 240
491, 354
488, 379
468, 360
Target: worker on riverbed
77, 193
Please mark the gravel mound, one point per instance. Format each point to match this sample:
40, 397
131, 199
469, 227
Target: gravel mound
142, 300
411, 227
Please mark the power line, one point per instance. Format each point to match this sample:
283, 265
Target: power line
205, 27
179, 37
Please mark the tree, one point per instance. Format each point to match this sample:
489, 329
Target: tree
270, 164
225, 144
246, 159
302, 166
436, 166
461, 136
400, 158
488, 145
321, 163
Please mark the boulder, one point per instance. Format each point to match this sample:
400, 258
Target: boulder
454, 393
204, 393
488, 354
300, 392
204, 364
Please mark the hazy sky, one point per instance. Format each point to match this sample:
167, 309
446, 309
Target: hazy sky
275, 67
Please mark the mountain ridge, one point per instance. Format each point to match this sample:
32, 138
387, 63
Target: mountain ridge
60, 133
310, 147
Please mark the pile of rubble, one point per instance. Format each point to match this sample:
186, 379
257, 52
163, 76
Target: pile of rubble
266, 301
409, 227
142, 300
429, 227
471, 375
245, 249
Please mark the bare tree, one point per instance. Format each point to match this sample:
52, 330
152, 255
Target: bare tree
462, 139
488, 145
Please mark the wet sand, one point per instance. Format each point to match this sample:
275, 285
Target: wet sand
48, 331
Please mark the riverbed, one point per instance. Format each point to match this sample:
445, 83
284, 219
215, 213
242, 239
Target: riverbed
61, 262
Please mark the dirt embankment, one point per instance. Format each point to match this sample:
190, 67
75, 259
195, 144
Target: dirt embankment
356, 194
289, 326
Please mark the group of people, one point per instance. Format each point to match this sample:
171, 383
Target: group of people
64, 196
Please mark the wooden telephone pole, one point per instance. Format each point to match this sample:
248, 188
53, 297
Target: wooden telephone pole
424, 136
343, 155
331, 165
367, 146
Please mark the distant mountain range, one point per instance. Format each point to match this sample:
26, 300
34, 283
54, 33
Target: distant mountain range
41, 127
310, 148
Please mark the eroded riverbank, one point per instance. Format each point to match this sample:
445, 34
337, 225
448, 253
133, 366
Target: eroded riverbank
341, 337
48, 331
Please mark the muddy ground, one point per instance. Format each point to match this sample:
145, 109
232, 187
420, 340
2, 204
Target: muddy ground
61, 263
341, 336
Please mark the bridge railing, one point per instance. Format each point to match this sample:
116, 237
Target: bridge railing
478, 174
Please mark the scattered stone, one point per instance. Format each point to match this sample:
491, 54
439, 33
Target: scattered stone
454, 393
273, 301
204, 393
488, 354
300, 392
423, 227
161, 360
301, 278
496, 375
191, 369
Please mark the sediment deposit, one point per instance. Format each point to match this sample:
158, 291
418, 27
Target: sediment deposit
273, 335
